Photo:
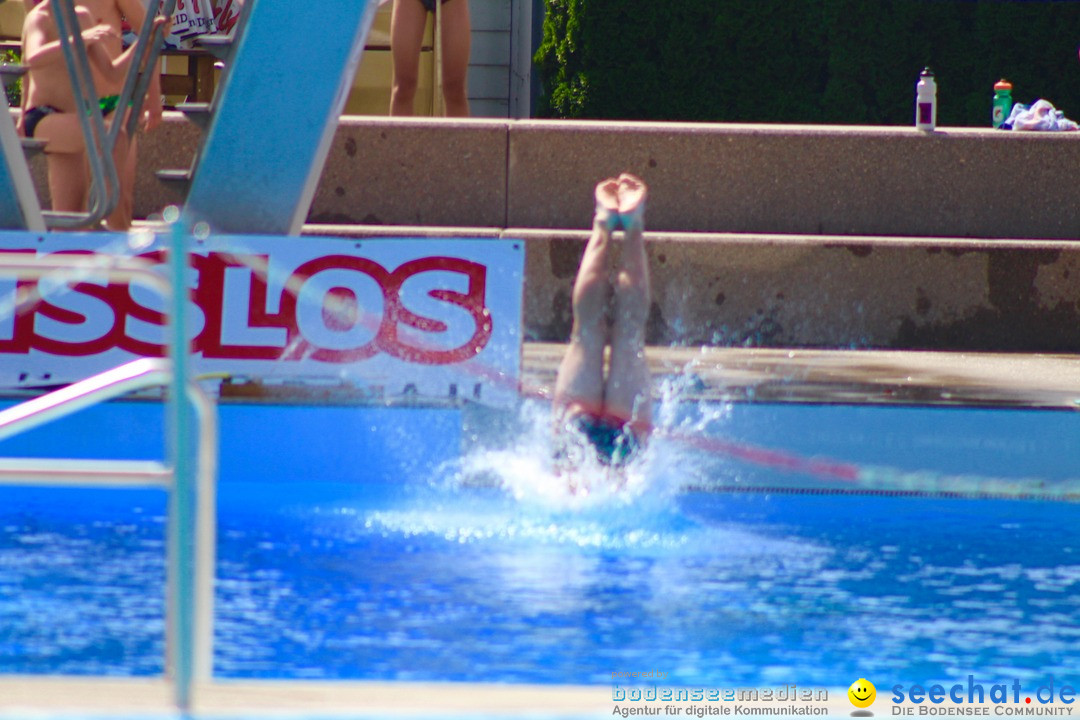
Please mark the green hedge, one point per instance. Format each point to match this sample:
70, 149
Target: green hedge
796, 61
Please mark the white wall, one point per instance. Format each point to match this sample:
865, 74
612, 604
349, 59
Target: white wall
501, 61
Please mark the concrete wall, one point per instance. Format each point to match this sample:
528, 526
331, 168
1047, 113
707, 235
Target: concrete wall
761, 236
806, 180
776, 291
816, 180
819, 291
489, 61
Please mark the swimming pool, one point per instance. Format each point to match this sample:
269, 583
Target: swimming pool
426, 544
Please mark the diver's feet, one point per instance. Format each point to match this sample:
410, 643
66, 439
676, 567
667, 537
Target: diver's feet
632, 194
607, 203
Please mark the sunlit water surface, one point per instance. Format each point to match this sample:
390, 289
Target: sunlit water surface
482, 567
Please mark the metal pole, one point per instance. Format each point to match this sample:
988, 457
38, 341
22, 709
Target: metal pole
182, 503
143, 65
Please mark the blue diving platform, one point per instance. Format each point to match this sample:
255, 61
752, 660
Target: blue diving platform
274, 115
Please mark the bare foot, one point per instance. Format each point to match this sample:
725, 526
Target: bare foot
607, 203
632, 194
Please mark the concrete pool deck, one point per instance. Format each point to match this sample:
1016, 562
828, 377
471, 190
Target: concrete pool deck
834, 376
773, 375
75, 698
109, 697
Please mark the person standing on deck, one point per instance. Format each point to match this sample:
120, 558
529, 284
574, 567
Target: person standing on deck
406, 37
49, 111
612, 413
113, 13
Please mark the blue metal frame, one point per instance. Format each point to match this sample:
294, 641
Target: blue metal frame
19, 207
275, 113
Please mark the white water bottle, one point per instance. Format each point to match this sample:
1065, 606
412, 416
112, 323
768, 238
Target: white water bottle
926, 101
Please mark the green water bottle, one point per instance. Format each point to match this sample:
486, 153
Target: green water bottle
1003, 101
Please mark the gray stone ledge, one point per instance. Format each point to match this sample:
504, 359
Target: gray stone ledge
821, 291
793, 179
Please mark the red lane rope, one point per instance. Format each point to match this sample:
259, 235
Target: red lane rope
771, 458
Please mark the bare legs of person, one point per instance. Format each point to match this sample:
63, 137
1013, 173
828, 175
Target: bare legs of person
68, 170
456, 44
406, 38
614, 412
65, 157
628, 391
124, 157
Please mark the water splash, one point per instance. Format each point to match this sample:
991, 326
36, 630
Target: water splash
506, 488
520, 459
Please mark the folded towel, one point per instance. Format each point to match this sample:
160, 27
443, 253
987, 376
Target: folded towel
1040, 115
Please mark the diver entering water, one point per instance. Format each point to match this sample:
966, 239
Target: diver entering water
610, 413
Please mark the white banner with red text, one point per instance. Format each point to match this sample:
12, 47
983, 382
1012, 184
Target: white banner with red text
423, 317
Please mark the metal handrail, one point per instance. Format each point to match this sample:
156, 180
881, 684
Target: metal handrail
123, 268
137, 82
79, 267
85, 473
111, 384
192, 525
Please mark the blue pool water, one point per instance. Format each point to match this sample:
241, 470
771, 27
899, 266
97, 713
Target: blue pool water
392, 544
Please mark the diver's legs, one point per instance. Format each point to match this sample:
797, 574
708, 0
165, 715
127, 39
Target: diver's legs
579, 386
628, 392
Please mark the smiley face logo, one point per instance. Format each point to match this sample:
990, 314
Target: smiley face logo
862, 693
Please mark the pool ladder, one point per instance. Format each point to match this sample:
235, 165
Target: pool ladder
189, 476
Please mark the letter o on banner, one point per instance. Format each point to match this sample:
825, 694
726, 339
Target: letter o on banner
341, 306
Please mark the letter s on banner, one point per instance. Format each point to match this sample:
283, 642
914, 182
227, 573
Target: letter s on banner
473, 302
